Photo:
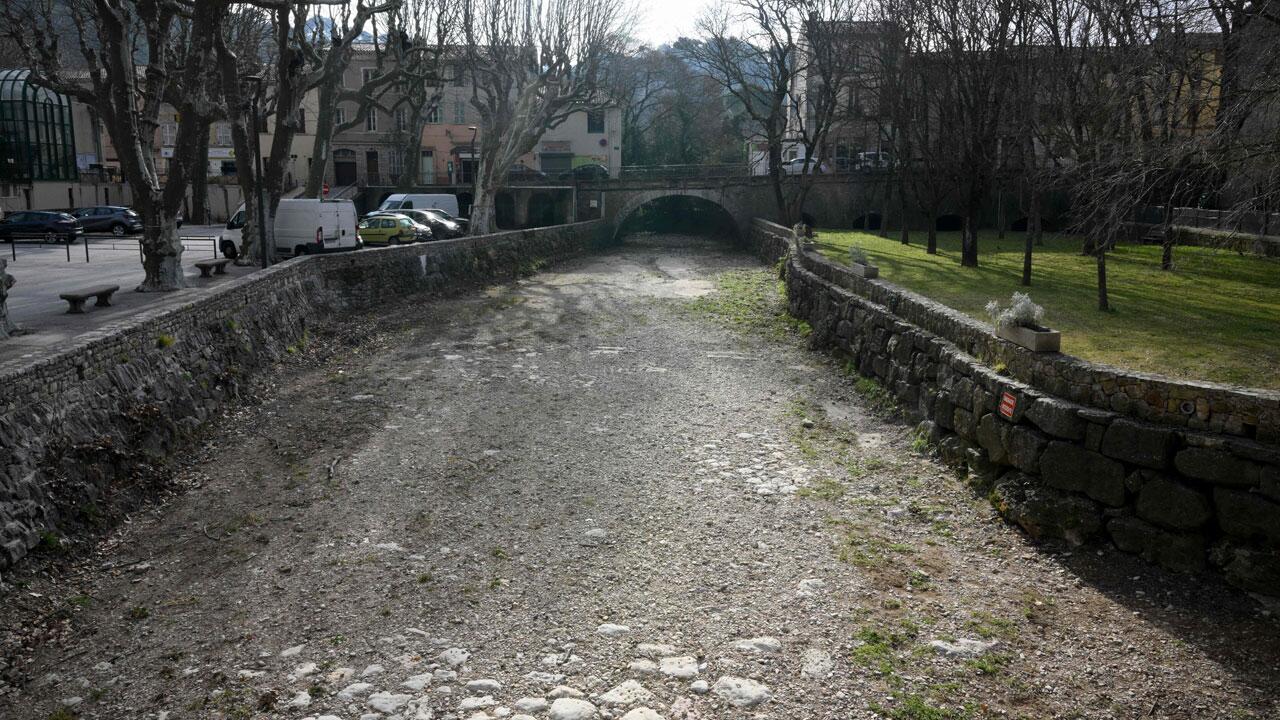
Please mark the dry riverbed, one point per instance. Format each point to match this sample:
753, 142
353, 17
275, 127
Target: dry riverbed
622, 488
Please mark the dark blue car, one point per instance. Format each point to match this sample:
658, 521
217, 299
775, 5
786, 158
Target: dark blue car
114, 219
40, 225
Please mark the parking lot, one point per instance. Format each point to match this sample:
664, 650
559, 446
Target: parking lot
45, 270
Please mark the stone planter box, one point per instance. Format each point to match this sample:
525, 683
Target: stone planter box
1036, 339
866, 271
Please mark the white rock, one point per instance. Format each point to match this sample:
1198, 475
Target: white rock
654, 650
522, 716
700, 687
642, 713
302, 699
354, 689
612, 630
75, 700
388, 702
372, 670
444, 675
629, 692
340, 675
417, 682
481, 715
371, 716
290, 652
643, 667
811, 587
564, 691
545, 678
964, 647
532, 704
453, 657
328, 717
475, 703
816, 663
741, 692
501, 711
683, 667
305, 669
572, 709
759, 645
250, 674
597, 533
483, 685
103, 667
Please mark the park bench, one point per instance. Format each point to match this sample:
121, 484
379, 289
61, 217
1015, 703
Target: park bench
77, 299
209, 268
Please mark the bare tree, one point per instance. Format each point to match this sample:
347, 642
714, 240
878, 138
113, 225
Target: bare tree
532, 64
134, 56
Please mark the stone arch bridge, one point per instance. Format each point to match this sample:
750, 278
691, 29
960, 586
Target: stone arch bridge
834, 200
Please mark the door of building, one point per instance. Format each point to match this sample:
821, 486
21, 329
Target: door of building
427, 167
371, 167
344, 167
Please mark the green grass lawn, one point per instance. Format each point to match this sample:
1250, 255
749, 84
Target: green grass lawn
1215, 317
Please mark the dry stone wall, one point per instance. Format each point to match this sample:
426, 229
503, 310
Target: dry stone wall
97, 419
1087, 453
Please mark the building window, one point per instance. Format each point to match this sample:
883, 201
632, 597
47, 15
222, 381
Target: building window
366, 75
222, 134
339, 116
170, 133
460, 112
371, 121
595, 121
433, 115
395, 163
402, 119
302, 121
455, 75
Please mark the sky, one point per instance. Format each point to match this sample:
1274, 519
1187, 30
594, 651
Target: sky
662, 21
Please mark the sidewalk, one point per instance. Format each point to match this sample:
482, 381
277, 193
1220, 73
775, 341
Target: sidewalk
43, 271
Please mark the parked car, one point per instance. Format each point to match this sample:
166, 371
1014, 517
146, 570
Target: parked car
40, 224
523, 173
592, 171
118, 221
843, 164
418, 201
453, 217
873, 160
441, 228
303, 226
389, 229
797, 167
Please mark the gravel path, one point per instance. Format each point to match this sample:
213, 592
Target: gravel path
592, 493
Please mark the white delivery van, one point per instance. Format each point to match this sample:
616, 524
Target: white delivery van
408, 201
303, 226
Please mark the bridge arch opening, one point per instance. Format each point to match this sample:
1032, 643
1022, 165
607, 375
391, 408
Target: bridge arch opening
679, 214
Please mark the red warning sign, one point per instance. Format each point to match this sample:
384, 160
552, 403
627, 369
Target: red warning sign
1008, 403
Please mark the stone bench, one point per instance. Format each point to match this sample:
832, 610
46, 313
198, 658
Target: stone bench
209, 268
77, 299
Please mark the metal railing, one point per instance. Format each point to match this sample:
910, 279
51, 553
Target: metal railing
92, 244
656, 172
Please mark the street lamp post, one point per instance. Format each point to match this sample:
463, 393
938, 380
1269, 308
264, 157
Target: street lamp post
259, 175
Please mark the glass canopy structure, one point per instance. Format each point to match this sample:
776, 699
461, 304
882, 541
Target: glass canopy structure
37, 138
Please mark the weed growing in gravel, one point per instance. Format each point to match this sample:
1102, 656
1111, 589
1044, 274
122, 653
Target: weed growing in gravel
878, 648
62, 714
499, 554
824, 489
989, 626
867, 551
753, 301
915, 707
878, 399
138, 612
989, 664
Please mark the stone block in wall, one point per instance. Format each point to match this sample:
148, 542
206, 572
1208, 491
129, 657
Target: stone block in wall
1217, 466
1139, 443
1250, 569
1067, 466
1172, 504
944, 411
1058, 418
1045, 512
992, 434
1270, 482
1176, 551
1247, 515
1025, 446
964, 423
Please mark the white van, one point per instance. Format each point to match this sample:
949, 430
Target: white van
303, 226
409, 201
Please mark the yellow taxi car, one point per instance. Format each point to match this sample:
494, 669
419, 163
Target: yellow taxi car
389, 230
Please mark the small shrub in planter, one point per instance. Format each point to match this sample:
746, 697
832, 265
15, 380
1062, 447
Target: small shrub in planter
859, 263
1021, 324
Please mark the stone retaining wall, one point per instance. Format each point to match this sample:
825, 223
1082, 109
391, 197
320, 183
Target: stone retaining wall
95, 419
1084, 453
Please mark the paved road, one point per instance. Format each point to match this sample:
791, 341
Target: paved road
44, 271
621, 484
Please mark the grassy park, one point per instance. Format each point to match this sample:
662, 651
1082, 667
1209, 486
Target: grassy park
1215, 317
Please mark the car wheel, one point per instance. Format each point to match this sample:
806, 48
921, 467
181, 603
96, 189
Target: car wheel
395, 240
50, 238
117, 230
